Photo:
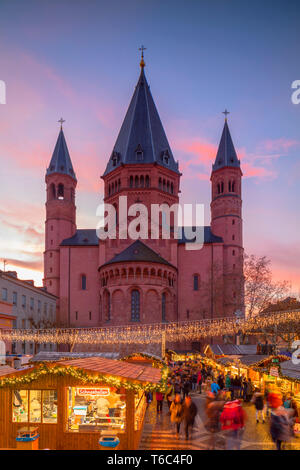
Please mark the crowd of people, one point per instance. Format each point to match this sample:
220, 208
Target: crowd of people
227, 398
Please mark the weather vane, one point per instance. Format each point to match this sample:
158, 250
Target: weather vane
142, 48
61, 122
226, 113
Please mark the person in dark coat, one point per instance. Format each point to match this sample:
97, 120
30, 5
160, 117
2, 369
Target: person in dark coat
186, 387
189, 414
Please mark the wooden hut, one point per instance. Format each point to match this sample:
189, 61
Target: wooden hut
73, 401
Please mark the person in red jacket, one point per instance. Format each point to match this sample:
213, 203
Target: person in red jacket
199, 381
159, 401
233, 419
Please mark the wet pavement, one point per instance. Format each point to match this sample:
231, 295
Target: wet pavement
159, 432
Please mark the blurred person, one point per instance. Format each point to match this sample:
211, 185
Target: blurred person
258, 400
176, 410
213, 410
233, 420
199, 381
280, 426
186, 387
169, 394
159, 401
189, 414
214, 388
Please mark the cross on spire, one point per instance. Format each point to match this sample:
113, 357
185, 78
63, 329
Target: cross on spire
61, 120
226, 113
142, 48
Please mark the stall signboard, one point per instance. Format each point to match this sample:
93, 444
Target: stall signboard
274, 371
93, 392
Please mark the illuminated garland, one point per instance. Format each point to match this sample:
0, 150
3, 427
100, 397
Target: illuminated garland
84, 377
152, 333
264, 362
157, 363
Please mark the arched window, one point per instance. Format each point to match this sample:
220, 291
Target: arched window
229, 186
131, 181
147, 181
219, 188
52, 191
164, 185
163, 307
107, 306
196, 282
172, 188
222, 187
60, 192
168, 186
83, 282
142, 181
136, 182
233, 187
135, 305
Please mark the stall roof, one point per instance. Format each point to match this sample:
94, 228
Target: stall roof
252, 359
290, 369
122, 369
5, 370
225, 360
233, 349
48, 356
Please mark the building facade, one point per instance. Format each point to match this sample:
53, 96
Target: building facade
123, 280
32, 307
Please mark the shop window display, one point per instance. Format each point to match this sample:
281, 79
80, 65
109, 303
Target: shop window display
34, 406
95, 408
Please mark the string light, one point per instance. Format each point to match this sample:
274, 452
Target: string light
82, 376
152, 333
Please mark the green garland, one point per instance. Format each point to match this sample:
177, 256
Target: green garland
158, 363
82, 376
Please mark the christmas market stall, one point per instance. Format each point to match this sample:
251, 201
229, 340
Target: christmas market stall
73, 401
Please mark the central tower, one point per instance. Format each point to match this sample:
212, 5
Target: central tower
142, 166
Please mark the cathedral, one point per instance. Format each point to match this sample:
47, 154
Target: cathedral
124, 281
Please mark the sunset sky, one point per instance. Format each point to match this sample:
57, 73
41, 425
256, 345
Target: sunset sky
80, 60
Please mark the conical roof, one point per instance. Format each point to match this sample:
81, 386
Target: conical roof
61, 161
226, 155
142, 138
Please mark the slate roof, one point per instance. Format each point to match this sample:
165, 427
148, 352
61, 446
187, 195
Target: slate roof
48, 356
252, 359
226, 155
138, 251
290, 369
141, 131
234, 349
88, 237
61, 161
82, 237
209, 237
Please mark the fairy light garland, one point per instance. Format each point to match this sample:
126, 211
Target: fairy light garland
84, 377
156, 362
152, 333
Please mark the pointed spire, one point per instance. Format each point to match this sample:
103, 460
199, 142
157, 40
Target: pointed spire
61, 161
142, 138
226, 155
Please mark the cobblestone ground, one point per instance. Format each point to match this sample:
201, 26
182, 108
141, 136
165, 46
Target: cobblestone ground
159, 432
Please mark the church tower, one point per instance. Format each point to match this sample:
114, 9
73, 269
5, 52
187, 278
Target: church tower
142, 167
60, 210
226, 219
